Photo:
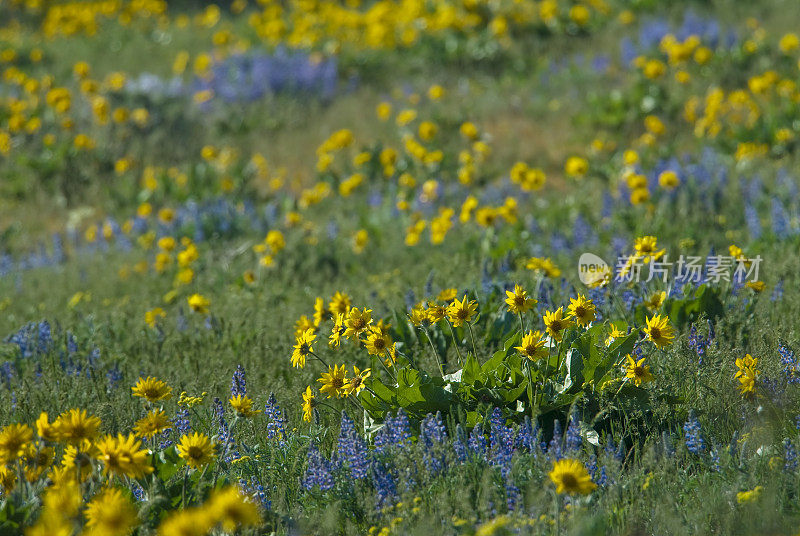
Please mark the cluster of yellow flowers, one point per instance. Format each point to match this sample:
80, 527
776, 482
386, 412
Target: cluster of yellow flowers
350, 323
70, 451
746, 373
389, 24
42, 111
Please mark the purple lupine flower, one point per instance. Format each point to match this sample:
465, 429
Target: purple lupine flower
224, 437
501, 441
753, 221
614, 450
72, 344
396, 432
238, 382
781, 225
574, 441
352, 450
113, 376
138, 492
385, 485
477, 442
181, 422
693, 435
432, 436
318, 473
528, 437
791, 368
45, 336
554, 448
276, 421
789, 456
256, 491
777, 293
460, 444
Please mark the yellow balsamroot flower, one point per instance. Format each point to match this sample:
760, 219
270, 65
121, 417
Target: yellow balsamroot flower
339, 304
435, 92
333, 382
703, 55
744, 497
356, 384
152, 389
303, 348
570, 476
544, 265
461, 312
655, 300
303, 323
378, 341
668, 180
746, 374
321, 314
447, 295
518, 301
190, 521
76, 426
335, 338
435, 312
469, 130
166, 215
166, 243
8, 479
582, 310
757, 286
110, 513
77, 462
243, 406
499, 525
653, 69
406, 116
151, 424
13, 439
309, 403
556, 323
383, 111
46, 430
419, 315
357, 321
579, 15
231, 509
427, 130
647, 247
532, 345
654, 125
636, 371
196, 450
639, 196
152, 316
659, 331
576, 167
123, 455
360, 241
789, 43
199, 303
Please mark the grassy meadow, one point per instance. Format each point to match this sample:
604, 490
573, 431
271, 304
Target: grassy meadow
317, 267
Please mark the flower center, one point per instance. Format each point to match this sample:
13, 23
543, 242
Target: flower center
655, 333
569, 480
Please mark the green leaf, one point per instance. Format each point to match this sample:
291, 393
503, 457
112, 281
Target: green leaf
472, 370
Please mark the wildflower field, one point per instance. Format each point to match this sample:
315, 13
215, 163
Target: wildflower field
399, 267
